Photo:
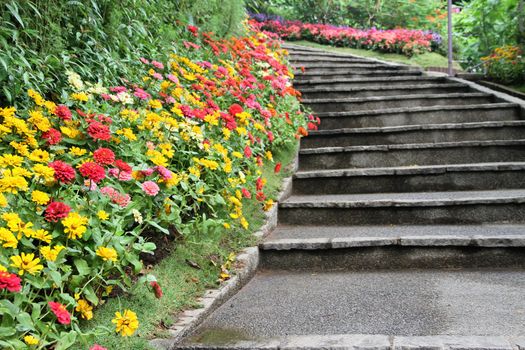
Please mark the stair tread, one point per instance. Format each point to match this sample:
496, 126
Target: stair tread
381, 88
369, 79
396, 97
405, 199
412, 146
415, 169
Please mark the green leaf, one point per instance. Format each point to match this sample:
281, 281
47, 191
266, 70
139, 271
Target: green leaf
82, 267
66, 340
90, 295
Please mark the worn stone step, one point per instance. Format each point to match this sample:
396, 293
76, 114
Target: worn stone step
342, 68
413, 208
458, 177
313, 58
447, 132
391, 89
420, 115
355, 73
328, 105
371, 310
344, 83
412, 154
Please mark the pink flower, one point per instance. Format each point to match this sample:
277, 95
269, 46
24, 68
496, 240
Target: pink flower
120, 174
158, 76
97, 347
151, 188
163, 172
143, 60
141, 94
157, 64
60, 312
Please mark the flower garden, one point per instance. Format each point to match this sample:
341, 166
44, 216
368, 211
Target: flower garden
403, 41
90, 182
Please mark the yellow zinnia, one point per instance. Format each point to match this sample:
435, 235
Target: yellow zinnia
30, 340
107, 253
86, 310
26, 263
126, 324
74, 225
40, 197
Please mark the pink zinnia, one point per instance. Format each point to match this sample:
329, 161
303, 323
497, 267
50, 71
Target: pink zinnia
151, 188
97, 347
157, 64
141, 94
163, 172
120, 174
10, 281
247, 152
60, 312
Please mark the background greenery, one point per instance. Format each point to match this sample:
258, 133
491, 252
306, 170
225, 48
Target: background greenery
99, 39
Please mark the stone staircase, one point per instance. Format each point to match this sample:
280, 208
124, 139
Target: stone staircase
405, 228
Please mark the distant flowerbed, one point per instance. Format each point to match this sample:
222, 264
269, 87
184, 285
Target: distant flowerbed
403, 41
82, 179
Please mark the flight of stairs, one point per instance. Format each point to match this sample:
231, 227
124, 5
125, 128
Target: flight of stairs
405, 228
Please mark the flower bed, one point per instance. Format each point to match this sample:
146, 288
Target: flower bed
84, 180
506, 65
403, 41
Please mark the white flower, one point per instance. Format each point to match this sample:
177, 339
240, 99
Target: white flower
137, 215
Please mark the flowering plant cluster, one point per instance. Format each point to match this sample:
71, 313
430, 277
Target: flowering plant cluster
81, 180
506, 64
403, 41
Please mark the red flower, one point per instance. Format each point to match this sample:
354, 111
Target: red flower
246, 193
259, 184
104, 156
156, 289
123, 166
235, 109
63, 172
260, 196
52, 136
312, 126
92, 171
56, 211
97, 347
10, 281
60, 312
247, 152
63, 112
99, 131
193, 29
277, 167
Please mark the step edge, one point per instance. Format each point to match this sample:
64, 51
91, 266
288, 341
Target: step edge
395, 97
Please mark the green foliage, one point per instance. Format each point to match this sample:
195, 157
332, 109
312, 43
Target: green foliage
483, 25
506, 65
99, 39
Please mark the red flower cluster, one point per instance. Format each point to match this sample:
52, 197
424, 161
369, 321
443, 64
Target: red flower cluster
123, 166
52, 136
92, 171
63, 172
60, 312
156, 289
99, 131
104, 156
63, 112
10, 281
56, 211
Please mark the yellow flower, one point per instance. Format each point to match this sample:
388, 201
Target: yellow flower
30, 340
39, 156
70, 132
26, 263
268, 205
244, 223
80, 96
37, 119
44, 172
10, 160
126, 324
7, 238
155, 104
12, 183
51, 254
235, 201
77, 151
3, 201
269, 155
40, 197
86, 310
42, 235
74, 225
102, 215
237, 154
107, 253
127, 133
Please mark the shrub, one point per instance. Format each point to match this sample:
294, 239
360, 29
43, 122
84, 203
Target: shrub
172, 150
506, 64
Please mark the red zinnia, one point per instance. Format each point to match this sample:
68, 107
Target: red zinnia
104, 156
63, 112
56, 211
260, 196
97, 347
63, 172
60, 312
123, 166
156, 289
92, 171
277, 168
246, 193
10, 281
99, 131
259, 184
247, 152
235, 109
52, 136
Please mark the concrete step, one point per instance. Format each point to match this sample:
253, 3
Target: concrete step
388, 135
329, 105
355, 73
313, 58
414, 208
391, 89
342, 68
412, 154
371, 310
344, 83
420, 115
458, 177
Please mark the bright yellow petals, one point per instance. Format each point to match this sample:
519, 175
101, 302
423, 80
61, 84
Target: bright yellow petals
26, 263
3, 201
10, 160
40, 197
44, 172
126, 324
31, 340
76, 151
102, 215
8, 239
49, 253
86, 310
74, 225
80, 96
39, 156
37, 119
70, 132
11, 183
127, 133
107, 254
244, 223
155, 104
42, 235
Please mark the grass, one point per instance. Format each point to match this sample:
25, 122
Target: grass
430, 59
182, 284
518, 87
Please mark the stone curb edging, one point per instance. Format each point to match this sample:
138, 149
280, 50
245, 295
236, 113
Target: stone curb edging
247, 263
407, 241
375, 342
